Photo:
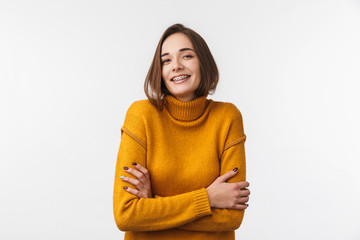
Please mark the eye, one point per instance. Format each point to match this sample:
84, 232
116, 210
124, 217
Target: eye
165, 61
188, 56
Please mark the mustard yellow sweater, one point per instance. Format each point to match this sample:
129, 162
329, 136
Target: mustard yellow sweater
185, 147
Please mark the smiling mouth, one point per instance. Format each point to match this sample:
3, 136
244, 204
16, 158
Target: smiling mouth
180, 78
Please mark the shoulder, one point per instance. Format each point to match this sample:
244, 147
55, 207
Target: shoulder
230, 119
139, 113
137, 116
141, 108
227, 109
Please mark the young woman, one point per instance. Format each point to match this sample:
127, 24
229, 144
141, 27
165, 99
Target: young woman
191, 146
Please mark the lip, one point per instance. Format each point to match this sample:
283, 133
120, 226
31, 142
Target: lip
179, 76
181, 81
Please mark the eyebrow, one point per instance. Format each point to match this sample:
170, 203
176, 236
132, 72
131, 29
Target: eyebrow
181, 50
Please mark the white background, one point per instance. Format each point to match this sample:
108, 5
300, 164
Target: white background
70, 69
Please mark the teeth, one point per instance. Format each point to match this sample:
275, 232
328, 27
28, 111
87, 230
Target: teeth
180, 78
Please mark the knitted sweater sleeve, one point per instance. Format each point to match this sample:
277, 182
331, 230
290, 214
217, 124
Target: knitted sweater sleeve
233, 156
149, 214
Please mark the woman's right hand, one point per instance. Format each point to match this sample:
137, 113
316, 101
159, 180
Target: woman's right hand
228, 195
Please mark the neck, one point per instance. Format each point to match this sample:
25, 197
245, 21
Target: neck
186, 110
185, 98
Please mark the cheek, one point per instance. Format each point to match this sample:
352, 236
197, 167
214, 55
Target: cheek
164, 72
195, 67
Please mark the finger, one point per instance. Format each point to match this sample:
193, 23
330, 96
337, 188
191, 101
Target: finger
229, 174
244, 193
243, 200
243, 185
132, 181
137, 174
240, 206
132, 191
248, 184
141, 169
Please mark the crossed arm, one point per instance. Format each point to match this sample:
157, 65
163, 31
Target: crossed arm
136, 210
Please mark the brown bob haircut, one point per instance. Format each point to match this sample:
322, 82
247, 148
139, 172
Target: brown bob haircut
154, 85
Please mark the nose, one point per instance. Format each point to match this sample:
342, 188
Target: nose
176, 65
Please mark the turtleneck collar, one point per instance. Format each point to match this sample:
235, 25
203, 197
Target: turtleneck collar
186, 111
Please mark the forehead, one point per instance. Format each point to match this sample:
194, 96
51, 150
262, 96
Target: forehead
175, 42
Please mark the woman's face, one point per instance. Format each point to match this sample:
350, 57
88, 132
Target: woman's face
180, 67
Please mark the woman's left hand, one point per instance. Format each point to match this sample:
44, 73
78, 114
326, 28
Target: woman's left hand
142, 183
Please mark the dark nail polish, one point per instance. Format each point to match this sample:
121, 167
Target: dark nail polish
134, 163
126, 168
125, 187
235, 169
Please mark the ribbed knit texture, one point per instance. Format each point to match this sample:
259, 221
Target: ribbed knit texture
185, 147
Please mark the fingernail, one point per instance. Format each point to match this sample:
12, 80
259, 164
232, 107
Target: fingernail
134, 163
126, 168
122, 177
125, 187
235, 169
